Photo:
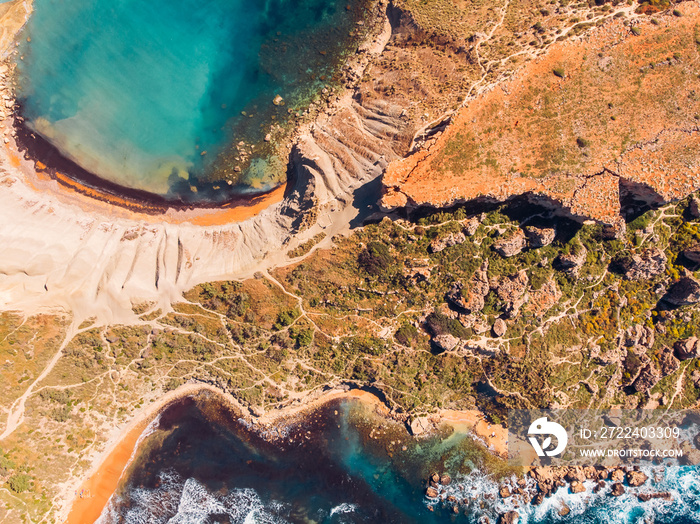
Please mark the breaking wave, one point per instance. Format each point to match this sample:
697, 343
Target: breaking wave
682, 482
178, 501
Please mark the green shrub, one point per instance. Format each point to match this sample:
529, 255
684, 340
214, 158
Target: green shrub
406, 335
285, 318
559, 71
676, 12
375, 258
582, 142
636, 31
302, 337
20, 482
438, 324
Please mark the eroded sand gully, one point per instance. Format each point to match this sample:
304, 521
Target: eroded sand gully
62, 249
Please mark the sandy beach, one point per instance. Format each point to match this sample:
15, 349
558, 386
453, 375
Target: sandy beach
101, 482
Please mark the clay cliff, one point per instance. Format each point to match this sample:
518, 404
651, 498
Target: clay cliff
608, 115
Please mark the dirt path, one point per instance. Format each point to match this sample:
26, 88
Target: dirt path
16, 414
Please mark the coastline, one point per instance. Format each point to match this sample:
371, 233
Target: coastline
49, 163
205, 197
94, 258
104, 477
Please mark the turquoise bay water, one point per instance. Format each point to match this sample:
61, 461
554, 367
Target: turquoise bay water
345, 464
135, 91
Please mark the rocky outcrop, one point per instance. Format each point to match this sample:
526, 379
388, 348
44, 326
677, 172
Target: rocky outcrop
510, 244
540, 237
638, 335
685, 292
617, 490
499, 327
577, 487
647, 378
512, 290
692, 253
449, 240
420, 425
694, 207
667, 361
661, 167
636, 478
687, 348
646, 497
470, 298
446, 342
510, 517
571, 263
544, 298
472, 224
618, 475
644, 265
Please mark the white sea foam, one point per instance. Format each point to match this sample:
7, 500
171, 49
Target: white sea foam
683, 483
178, 501
345, 507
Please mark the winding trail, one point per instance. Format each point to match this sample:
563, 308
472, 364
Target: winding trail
16, 414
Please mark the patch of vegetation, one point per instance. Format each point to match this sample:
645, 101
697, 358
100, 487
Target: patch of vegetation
406, 335
375, 259
20, 482
307, 246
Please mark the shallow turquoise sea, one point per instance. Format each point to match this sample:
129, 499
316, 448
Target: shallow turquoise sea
199, 464
148, 93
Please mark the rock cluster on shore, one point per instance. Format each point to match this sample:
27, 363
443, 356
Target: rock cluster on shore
543, 482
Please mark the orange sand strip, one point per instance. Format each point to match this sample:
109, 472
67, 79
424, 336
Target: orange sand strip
92, 199
207, 217
97, 489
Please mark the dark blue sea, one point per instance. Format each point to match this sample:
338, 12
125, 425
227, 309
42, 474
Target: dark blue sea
344, 463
